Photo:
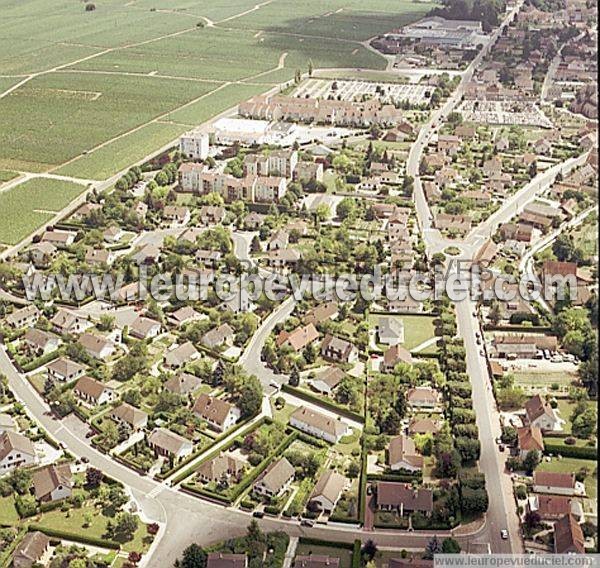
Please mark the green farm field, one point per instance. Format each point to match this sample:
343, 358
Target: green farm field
36, 200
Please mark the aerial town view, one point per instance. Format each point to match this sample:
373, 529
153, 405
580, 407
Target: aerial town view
298, 283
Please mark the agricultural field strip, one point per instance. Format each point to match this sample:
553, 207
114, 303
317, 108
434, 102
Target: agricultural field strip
139, 127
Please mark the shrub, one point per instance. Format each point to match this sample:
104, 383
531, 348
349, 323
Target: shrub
521, 492
570, 441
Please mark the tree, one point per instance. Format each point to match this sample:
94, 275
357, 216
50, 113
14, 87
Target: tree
450, 546
369, 550
531, 461
433, 547
193, 557
532, 519
93, 477
294, 378
584, 424
251, 394
125, 525
90, 7
255, 244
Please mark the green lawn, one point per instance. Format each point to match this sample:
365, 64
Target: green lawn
7, 176
417, 330
8, 513
282, 415
570, 465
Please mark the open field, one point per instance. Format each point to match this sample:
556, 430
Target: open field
7, 176
56, 117
35, 200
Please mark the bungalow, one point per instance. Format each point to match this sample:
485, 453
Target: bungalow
168, 444
254, 221
15, 451
553, 507
459, 223
211, 215
318, 425
402, 497
41, 254
282, 258
114, 233
394, 355
529, 439
424, 426
327, 491
390, 330
222, 335
543, 147
25, 317
99, 257
220, 414
183, 384
339, 350
184, 315
222, 467
69, 323
86, 210
96, 346
93, 392
539, 413
208, 257
60, 239
180, 355
327, 380
279, 240
298, 339
53, 483
148, 254
145, 328
127, 414
41, 342
402, 454
177, 216
422, 397
321, 313
449, 144
568, 536
405, 305
557, 483
64, 370
275, 480
226, 560
31, 550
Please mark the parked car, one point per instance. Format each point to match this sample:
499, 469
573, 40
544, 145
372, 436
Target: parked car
501, 447
258, 514
307, 523
504, 534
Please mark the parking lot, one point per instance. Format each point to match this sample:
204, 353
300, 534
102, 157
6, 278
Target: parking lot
357, 90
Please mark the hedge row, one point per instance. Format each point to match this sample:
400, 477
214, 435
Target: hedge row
318, 542
399, 477
324, 403
43, 360
356, 559
76, 537
581, 452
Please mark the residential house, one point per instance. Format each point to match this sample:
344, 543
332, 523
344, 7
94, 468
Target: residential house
339, 350
15, 451
308, 171
183, 384
402, 497
60, 239
327, 491
169, 444
316, 561
422, 397
148, 254
145, 328
394, 355
114, 233
553, 507
568, 536
41, 254
275, 480
93, 392
318, 424
402, 455
254, 221
390, 330
64, 370
279, 240
99, 257
133, 417
208, 257
24, 317
176, 215
31, 551
96, 346
424, 426
221, 467
53, 483
449, 144
327, 380
183, 316
220, 414
41, 342
539, 413
181, 355
298, 339
458, 223
321, 313
69, 323
282, 258
211, 215
557, 483
222, 335
529, 438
